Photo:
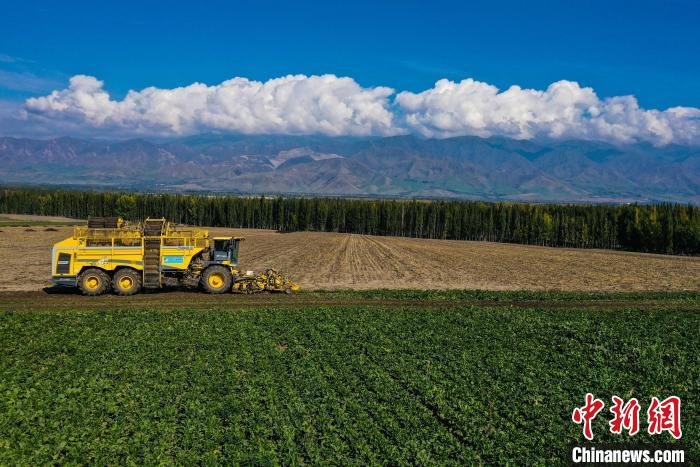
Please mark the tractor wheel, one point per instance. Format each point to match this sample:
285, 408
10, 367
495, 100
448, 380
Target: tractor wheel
93, 281
216, 279
126, 281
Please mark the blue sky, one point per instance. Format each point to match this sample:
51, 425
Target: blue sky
647, 49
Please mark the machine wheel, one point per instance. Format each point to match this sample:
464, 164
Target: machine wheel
93, 281
126, 281
216, 279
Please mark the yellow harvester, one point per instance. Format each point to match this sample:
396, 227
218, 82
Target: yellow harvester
110, 254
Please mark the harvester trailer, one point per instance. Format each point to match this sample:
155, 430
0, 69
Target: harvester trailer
111, 254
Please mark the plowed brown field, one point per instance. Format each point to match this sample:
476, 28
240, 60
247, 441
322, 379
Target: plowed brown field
339, 261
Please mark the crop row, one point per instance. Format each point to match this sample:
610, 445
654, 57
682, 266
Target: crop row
363, 385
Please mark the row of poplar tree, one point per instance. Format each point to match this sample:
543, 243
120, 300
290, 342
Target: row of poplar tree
660, 228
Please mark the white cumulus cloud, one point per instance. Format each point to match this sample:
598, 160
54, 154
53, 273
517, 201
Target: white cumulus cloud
332, 105
294, 104
563, 110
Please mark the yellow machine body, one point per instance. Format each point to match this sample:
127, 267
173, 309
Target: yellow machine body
110, 249
123, 257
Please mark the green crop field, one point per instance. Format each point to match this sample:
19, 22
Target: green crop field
370, 382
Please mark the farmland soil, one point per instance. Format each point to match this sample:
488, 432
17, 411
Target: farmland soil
336, 261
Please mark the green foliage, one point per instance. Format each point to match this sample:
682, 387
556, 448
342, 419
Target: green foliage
360, 385
667, 298
659, 228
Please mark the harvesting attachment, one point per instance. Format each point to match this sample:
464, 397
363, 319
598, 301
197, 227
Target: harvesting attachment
271, 280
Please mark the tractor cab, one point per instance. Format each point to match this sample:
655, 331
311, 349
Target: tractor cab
226, 249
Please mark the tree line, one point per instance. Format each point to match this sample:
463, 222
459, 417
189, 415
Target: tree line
660, 228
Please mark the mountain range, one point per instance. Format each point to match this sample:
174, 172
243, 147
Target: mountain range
400, 166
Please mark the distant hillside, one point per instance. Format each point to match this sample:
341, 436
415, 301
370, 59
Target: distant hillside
406, 166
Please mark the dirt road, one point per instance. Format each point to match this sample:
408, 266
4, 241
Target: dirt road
58, 299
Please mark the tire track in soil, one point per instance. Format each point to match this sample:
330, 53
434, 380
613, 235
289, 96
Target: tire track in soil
372, 264
403, 265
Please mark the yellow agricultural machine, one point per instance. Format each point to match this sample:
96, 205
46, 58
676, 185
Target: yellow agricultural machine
110, 254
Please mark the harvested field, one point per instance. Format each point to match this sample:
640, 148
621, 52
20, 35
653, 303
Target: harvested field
339, 261
15, 220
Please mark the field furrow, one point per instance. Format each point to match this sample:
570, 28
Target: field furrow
340, 261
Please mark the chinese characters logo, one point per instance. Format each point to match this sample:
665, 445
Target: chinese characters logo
661, 416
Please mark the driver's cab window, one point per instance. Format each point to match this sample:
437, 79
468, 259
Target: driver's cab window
221, 250
234, 251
